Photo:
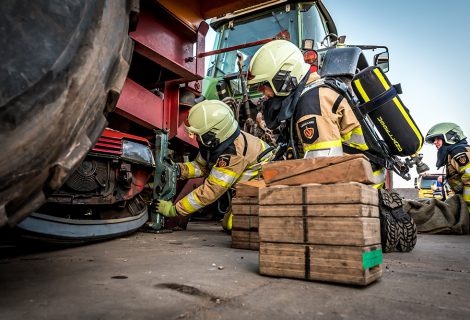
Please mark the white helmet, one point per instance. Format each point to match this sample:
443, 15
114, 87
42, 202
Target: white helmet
279, 63
213, 121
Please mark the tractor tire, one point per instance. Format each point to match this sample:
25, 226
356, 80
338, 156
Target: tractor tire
64, 63
388, 231
407, 235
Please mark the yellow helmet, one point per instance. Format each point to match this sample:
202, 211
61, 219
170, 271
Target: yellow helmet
279, 63
213, 121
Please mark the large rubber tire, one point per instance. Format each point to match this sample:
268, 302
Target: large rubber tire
407, 234
388, 231
64, 62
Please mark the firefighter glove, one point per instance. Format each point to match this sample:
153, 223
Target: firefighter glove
166, 208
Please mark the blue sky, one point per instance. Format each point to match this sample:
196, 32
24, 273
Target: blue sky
429, 44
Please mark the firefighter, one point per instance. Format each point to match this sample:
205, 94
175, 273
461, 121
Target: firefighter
226, 155
322, 118
453, 152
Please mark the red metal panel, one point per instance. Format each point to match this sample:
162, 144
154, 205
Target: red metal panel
165, 41
182, 133
170, 108
107, 145
140, 105
114, 136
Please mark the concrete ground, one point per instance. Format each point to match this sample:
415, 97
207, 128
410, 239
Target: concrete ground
194, 274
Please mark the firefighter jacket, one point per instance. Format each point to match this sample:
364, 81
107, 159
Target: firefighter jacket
458, 172
324, 121
237, 161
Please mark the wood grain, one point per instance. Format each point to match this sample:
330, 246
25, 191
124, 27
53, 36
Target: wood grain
249, 188
245, 240
316, 210
245, 209
349, 231
245, 222
340, 193
319, 170
341, 264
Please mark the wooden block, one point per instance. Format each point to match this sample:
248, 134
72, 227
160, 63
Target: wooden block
245, 240
249, 188
318, 210
343, 264
245, 200
348, 231
323, 170
245, 209
339, 193
245, 223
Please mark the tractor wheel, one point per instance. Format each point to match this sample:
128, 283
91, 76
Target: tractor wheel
407, 235
63, 65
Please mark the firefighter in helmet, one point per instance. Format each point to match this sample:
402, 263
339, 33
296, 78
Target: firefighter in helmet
453, 152
226, 155
322, 119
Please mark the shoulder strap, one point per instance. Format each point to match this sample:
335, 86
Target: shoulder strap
245, 148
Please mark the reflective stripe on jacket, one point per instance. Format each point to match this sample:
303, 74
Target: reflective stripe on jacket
458, 174
324, 121
237, 164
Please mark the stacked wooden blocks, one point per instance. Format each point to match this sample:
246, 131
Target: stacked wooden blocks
245, 207
325, 232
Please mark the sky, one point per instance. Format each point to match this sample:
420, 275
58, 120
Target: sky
429, 46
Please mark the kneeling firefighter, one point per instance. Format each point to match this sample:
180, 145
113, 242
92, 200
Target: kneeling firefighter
453, 153
321, 117
226, 155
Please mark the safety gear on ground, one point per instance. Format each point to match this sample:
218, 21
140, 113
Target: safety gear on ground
227, 221
237, 162
279, 63
324, 122
166, 208
213, 121
449, 132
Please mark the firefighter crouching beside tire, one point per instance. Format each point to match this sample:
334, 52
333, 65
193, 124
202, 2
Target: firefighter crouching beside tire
226, 155
453, 153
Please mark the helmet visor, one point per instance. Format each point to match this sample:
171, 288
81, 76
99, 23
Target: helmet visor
430, 138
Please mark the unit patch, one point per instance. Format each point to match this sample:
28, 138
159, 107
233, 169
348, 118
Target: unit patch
223, 161
461, 159
308, 130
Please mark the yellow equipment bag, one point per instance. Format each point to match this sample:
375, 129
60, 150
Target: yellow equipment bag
380, 101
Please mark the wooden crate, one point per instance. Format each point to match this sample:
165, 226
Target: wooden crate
320, 232
242, 239
343, 264
245, 208
339, 193
323, 170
